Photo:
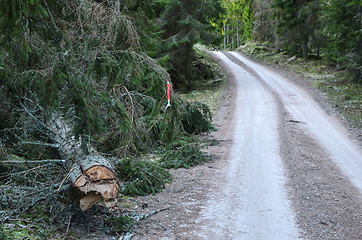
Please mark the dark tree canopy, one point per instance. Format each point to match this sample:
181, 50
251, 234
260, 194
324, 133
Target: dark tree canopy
185, 23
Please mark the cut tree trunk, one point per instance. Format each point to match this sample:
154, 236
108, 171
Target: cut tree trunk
91, 173
94, 175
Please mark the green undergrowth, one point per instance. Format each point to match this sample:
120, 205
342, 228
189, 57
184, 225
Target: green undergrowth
142, 177
120, 224
19, 230
345, 95
338, 86
2, 234
197, 118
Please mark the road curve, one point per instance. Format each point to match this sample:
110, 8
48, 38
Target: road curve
328, 131
251, 200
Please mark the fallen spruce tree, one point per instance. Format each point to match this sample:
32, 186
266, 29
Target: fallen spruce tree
79, 103
77, 95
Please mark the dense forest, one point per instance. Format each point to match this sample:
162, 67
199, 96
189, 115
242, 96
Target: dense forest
324, 29
85, 76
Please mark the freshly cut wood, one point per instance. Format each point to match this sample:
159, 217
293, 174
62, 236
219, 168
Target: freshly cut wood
108, 189
92, 168
89, 200
93, 175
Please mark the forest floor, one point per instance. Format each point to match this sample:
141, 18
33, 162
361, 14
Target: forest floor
290, 177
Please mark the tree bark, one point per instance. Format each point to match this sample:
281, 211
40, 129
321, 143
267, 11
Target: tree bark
305, 47
277, 43
225, 36
232, 37
237, 33
228, 36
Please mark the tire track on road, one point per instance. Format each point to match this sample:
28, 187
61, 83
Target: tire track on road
327, 204
251, 198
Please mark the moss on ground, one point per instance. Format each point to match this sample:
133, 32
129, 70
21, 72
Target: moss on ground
19, 230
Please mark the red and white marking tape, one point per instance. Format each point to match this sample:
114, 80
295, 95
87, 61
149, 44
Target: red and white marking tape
168, 95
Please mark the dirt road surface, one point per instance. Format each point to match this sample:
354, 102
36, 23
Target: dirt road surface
284, 168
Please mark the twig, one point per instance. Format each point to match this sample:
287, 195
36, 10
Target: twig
295, 121
37, 161
116, 231
66, 233
18, 219
145, 216
31, 169
130, 97
66, 177
33, 203
39, 143
56, 36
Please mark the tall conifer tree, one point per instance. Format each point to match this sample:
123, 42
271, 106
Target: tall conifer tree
186, 22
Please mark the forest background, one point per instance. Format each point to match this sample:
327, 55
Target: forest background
101, 68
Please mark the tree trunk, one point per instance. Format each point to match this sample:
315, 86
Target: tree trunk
232, 37
224, 36
318, 48
277, 43
305, 47
237, 33
228, 36
91, 173
188, 58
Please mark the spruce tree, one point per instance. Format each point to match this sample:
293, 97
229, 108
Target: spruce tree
295, 23
83, 62
186, 22
344, 34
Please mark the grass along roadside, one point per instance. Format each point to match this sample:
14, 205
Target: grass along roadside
335, 85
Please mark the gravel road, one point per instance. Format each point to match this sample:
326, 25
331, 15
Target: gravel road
325, 128
285, 168
252, 203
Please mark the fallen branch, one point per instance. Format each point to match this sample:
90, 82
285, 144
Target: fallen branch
36, 161
66, 232
39, 144
29, 170
147, 215
66, 177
